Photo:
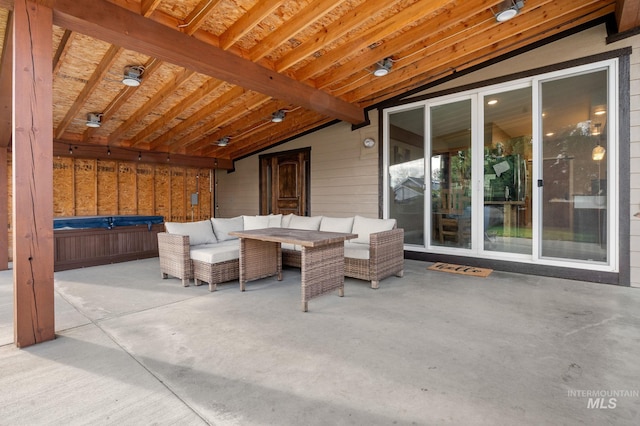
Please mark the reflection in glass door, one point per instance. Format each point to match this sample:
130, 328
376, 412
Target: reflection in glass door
450, 134
507, 171
406, 173
574, 167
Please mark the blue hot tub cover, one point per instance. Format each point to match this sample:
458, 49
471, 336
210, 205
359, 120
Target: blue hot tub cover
105, 222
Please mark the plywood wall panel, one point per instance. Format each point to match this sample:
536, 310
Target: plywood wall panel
163, 191
127, 191
63, 187
191, 184
204, 194
85, 187
178, 195
107, 187
146, 201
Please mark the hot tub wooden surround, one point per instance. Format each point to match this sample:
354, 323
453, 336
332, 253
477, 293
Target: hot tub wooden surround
100, 240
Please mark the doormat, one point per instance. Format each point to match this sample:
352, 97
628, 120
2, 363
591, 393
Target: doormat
461, 269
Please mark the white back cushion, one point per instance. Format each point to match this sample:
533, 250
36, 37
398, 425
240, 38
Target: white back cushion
363, 226
222, 226
275, 221
200, 232
255, 222
305, 222
286, 220
336, 224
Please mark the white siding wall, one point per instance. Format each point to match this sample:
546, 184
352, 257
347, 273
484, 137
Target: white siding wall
344, 174
635, 162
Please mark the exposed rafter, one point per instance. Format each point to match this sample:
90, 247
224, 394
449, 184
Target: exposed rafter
118, 26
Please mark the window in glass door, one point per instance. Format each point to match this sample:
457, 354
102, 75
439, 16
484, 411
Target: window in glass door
574, 167
507, 171
450, 133
406, 173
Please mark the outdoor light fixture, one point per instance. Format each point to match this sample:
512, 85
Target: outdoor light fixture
277, 116
510, 8
133, 75
224, 141
383, 67
94, 119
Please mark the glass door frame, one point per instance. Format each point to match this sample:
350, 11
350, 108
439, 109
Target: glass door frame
477, 95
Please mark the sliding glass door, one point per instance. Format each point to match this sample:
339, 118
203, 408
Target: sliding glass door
574, 167
521, 171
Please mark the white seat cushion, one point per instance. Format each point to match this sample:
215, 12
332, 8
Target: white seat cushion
336, 224
200, 232
364, 226
222, 226
289, 246
356, 250
215, 253
311, 223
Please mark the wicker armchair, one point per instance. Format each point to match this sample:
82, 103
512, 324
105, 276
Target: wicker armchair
386, 258
174, 255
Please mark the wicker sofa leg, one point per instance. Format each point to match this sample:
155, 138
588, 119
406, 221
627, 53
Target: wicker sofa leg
375, 284
185, 282
213, 286
400, 273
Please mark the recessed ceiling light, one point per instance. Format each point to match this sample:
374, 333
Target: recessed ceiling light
549, 134
383, 67
492, 101
278, 116
600, 111
132, 75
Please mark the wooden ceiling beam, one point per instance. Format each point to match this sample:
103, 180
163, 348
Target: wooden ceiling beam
307, 121
101, 70
123, 97
627, 14
166, 138
375, 33
247, 22
252, 101
466, 53
243, 127
180, 107
441, 27
460, 45
153, 102
147, 7
61, 50
311, 13
113, 24
198, 16
337, 29
259, 117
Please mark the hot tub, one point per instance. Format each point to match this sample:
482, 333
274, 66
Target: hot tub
98, 240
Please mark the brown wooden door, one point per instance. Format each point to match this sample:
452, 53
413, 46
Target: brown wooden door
284, 182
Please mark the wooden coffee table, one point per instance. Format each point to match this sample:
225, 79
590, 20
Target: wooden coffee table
322, 266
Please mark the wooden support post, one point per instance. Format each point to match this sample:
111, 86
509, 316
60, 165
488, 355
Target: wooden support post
33, 174
4, 213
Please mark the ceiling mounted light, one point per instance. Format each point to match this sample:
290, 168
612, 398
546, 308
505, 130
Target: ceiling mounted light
94, 119
133, 75
509, 9
278, 116
223, 141
598, 152
383, 67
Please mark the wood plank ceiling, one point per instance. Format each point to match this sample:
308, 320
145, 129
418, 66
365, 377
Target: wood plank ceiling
215, 70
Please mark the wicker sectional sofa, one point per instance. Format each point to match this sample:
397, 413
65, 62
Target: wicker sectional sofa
203, 250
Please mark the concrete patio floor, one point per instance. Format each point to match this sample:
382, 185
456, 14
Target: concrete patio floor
427, 349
